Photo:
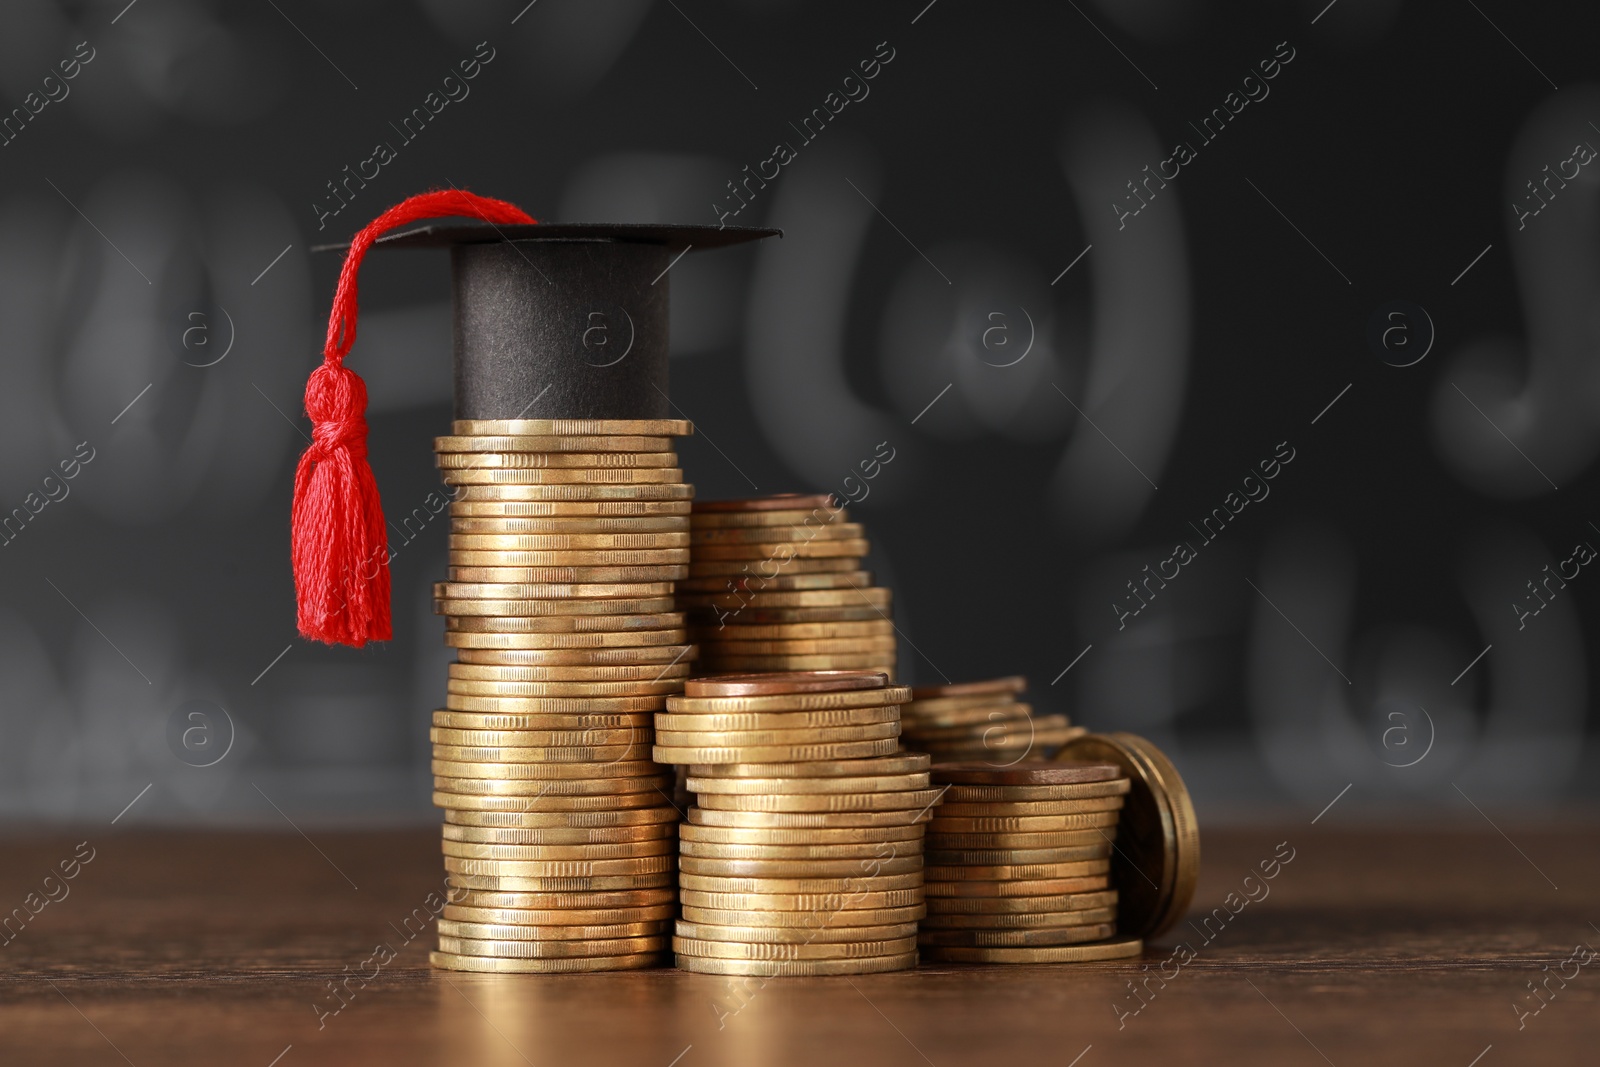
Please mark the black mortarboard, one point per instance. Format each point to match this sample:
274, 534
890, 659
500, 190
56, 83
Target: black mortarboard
552, 321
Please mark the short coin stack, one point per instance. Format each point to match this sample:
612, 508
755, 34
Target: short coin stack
1018, 864
775, 584
803, 852
559, 842
981, 721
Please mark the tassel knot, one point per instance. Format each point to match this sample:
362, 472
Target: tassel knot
336, 403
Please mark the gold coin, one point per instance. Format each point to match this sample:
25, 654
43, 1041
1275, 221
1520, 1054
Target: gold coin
778, 720
796, 516
1099, 836
559, 835
553, 923
1025, 871
814, 549
589, 444
1033, 921
572, 427
465, 755
494, 965
664, 896
565, 526
624, 639
904, 800
461, 946
1060, 935
813, 903
466, 720
574, 624
564, 608
746, 583
599, 557
967, 794
803, 924
503, 883
956, 723
1024, 823
561, 706
719, 662
535, 739
870, 849
812, 820
860, 698
899, 763
777, 535
477, 931
796, 968
1101, 950
652, 818
1030, 807
549, 590
1018, 888
788, 836
813, 647
470, 687
884, 783
495, 770
870, 867
783, 598
616, 851
459, 806
767, 753
816, 950
765, 568
562, 867
952, 706
742, 630
1013, 683
492, 672
859, 883
1158, 858
562, 476
865, 612
552, 460
579, 657
751, 738
995, 856
469, 494
552, 791
484, 542
1055, 902
629, 476
565, 509
818, 932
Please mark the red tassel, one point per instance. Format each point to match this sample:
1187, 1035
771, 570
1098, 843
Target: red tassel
340, 542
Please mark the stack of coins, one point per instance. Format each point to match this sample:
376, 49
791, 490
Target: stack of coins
775, 584
803, 852
981, 721
566, 537
1018, 864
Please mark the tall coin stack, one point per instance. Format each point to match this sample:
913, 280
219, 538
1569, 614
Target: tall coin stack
981, 720
566, 537
775, 584
1018, 864
803, 852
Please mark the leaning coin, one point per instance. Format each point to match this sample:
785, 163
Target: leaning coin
782, 968
1101, 950
636, 961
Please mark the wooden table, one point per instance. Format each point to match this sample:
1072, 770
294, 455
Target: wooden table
1373, 947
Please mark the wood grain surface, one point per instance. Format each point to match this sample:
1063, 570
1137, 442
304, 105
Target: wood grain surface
1371, 947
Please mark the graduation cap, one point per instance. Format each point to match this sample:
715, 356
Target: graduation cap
552, 321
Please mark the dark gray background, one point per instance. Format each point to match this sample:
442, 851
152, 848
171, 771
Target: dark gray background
1323, 639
